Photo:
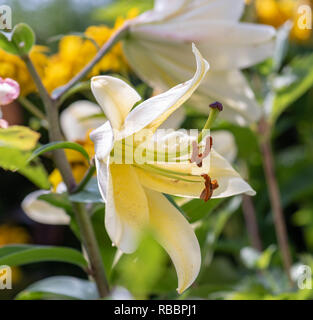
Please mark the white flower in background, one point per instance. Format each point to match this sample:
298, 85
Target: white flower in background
225, 144
76, 120
158, 49
133, 192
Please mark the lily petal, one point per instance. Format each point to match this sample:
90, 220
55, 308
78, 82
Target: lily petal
127, 211
77, 119
177, 237
153, 112
168, 68
115, 97
229, 181
43, 212
102, 138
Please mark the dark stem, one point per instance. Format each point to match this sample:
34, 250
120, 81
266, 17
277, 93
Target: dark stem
82, 217
274, 194
84, 72
251, 222
91, 245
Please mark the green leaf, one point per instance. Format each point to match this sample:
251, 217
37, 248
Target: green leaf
59, 200
295, 80
211, 227
60, 287
90, 194
13, 255
7, 45
16, 160
197, 209
19, 137
23, 37
140, 272
59, 145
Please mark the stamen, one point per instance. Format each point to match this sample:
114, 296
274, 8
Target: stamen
198, 157
210, 186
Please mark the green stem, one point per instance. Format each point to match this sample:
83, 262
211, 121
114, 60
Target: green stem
89, 174
31, 108
119, 34
274, 194
83, 220
212, 117
91, 245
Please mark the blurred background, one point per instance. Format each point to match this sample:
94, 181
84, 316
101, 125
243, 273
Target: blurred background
292, 143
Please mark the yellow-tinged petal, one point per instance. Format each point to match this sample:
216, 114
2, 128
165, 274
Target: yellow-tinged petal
215, 166
172, 186
177, 237
127, 211
115, 97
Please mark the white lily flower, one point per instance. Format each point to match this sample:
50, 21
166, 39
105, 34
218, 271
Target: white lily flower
76, 120
133, 192
158, 49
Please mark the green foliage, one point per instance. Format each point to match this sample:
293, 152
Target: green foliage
26, 254
59, 145
59, 200
90, 194
296, 78
19, 137
23, 38
16, 160
197, 209
7, 45
140, 271
60, 288
20, 41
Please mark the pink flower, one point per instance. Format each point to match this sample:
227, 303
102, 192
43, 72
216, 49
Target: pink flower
9, 91
3, 124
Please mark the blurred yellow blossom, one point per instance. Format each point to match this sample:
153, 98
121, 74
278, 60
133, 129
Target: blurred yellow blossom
11, 66
75, 52
10, 234
276, 12
13, 234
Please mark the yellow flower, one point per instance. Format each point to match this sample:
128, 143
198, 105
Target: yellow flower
11, 66
75, 52
276, 12
13, 234
10, 234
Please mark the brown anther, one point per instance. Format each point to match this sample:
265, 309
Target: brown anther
198, 157
210, 186
216, 105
